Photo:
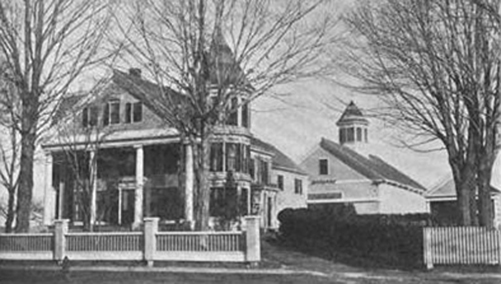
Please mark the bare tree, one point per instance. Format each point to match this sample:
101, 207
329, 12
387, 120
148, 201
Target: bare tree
46, 45
202, 54
436, 65
9, 147
80, 131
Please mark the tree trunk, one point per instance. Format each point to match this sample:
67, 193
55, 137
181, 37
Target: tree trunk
25, 190
484, 195
10, 211
463, 201
202, 188
464, 181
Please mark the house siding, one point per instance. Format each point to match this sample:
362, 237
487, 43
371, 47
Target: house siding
112, 92
396, 200
337, 169
287, 198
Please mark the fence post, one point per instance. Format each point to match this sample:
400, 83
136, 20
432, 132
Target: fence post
428, 260
60, 231
252, 240
150, 241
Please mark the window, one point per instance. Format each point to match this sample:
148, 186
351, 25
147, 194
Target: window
359, 134
342, 135
263, 172
114, 112
233, 112
89, 116
298, 186
231, 156
216, 157
323, 167
245, 115
111, 113
245, 158
252, 169
133, 112
350, 136
365, 134
280, 182
137, 112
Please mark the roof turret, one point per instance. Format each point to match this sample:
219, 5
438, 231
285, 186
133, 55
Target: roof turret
352, 115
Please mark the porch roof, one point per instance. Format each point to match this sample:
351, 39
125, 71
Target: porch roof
116, 138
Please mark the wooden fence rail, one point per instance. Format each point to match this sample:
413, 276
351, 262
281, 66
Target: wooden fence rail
210, 241
26, 242
131, 241
149, 245
461, 245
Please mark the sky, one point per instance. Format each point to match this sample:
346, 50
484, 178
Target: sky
295, 123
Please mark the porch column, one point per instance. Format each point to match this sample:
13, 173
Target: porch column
138, 196
49, 193
93, 186
188, 190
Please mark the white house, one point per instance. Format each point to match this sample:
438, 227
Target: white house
346, 172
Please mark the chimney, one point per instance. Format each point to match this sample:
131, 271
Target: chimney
136, 72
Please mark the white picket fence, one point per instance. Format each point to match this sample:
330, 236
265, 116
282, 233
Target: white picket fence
149, 245
461, 245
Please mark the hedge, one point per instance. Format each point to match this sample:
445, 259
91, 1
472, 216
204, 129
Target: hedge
395, 239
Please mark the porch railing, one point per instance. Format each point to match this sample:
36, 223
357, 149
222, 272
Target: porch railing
461, 245
149, 245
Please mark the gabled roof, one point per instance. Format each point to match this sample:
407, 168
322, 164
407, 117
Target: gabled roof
447, 188
280, 160
150, 94
373, 167
67, 104
352, 113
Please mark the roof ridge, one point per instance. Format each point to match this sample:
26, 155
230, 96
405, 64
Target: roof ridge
413, 183
351, 155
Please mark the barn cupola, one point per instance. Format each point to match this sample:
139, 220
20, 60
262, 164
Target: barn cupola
353, 126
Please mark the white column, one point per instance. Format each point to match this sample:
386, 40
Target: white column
138, 196
93, 186
49, 193
189, 182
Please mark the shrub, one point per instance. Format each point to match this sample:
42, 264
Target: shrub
393, 238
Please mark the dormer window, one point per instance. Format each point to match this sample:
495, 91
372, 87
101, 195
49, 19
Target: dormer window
89, 116
111, 112
133, 112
